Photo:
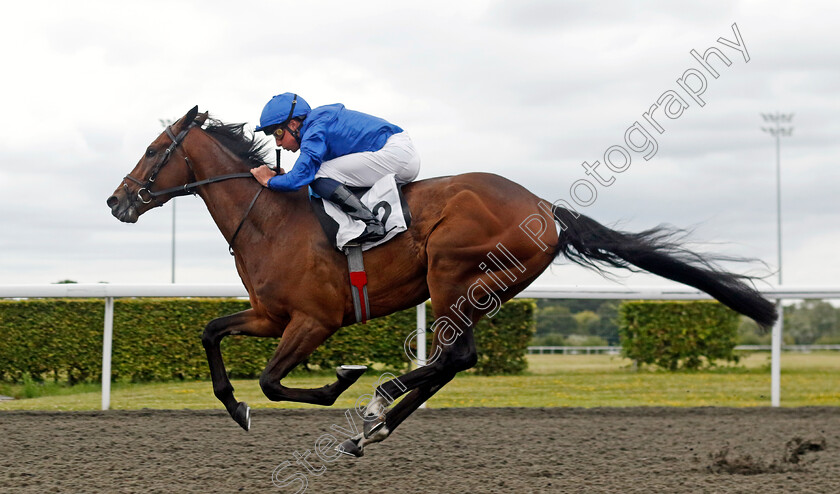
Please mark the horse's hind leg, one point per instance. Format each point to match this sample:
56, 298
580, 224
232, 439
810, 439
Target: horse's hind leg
416, 397
412, 402
455, 352
420, 384
246, 322
302, 336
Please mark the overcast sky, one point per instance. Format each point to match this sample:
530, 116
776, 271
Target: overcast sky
526, 89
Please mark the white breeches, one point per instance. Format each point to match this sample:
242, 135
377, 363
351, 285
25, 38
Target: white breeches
397, 157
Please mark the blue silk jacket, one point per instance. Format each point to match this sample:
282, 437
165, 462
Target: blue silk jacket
329, 132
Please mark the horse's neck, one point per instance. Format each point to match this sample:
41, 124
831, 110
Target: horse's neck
228, 201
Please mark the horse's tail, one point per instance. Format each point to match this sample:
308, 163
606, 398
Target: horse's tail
586, 242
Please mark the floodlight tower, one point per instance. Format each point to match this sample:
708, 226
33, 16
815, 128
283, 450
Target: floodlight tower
778, 131
782, 127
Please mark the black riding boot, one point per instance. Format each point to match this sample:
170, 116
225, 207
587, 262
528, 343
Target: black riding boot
351, 205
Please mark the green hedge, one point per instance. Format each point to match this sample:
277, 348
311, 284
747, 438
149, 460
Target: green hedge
677, 335
502, 340
51, 338
160, 339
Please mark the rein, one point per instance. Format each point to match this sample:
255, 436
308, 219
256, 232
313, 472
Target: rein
185, 189
188, 188
242, 221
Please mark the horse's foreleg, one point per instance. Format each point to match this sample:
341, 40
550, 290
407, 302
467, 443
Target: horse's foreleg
246, 322
303, 335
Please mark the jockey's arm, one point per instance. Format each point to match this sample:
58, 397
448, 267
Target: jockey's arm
312, 150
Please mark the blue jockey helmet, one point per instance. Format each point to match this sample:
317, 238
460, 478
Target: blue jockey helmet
282, 108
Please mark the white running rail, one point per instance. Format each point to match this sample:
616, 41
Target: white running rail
111, 291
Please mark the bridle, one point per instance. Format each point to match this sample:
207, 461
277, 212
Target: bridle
180, 190
146, 187
189, 188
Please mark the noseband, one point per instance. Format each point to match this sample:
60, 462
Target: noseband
188, 188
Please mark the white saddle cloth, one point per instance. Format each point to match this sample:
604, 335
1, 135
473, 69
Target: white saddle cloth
383, 199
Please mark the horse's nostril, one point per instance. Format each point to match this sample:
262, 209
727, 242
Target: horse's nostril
113, 201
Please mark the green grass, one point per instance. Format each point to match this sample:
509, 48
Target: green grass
552, 381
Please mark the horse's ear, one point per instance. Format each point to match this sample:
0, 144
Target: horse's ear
201, 118
190, 116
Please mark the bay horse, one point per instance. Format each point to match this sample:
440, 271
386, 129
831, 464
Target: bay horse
298, 283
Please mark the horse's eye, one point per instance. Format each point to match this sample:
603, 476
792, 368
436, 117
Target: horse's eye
150, 152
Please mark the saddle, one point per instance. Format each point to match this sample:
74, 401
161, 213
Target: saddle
385, 199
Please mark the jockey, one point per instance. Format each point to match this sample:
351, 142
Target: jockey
338, 148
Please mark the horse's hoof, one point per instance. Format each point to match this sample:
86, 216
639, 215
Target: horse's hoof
372, 424
242, 415
350, 448
350, 372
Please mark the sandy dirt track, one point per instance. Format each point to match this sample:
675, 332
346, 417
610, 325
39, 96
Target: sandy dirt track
648, 450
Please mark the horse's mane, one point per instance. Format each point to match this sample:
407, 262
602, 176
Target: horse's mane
244, 145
